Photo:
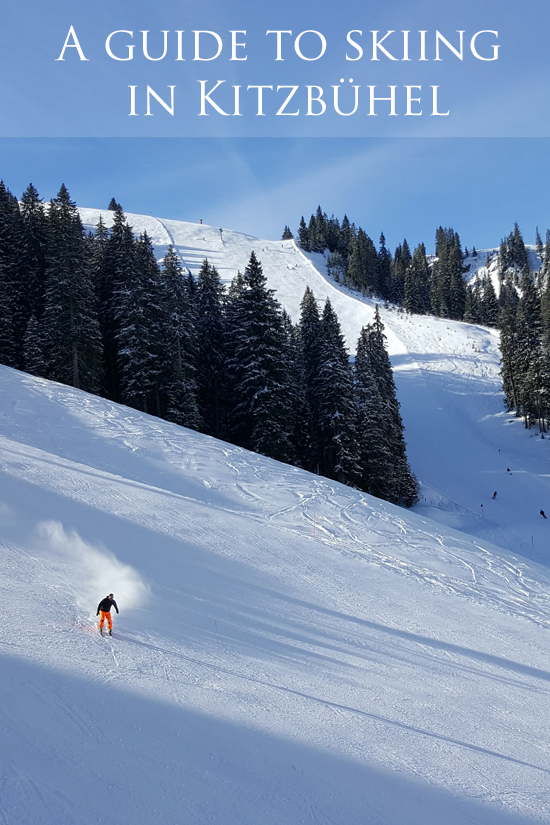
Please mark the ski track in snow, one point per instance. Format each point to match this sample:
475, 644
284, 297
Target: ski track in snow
392, 668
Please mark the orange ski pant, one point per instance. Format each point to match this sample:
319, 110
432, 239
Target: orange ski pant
105, 614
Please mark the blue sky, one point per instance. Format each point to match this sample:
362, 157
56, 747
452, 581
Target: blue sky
43, 96
403, 187
478, 170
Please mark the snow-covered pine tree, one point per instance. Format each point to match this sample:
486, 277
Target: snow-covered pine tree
299, 419
545, 352
14, 309
448, 287
178, 346
114, 279
401, 263
417, 283
70, 327
490, 302
362, 267
471, 305
139, 330
457, 288
259, 419
336, 433
310, 337
212, 350
401, 485
34, 250
234, 315
375, 457
528, 353
538, 244
33, 349
384, 266
545, 265
507, 326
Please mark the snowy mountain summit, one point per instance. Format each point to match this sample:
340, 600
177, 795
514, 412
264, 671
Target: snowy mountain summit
288, 649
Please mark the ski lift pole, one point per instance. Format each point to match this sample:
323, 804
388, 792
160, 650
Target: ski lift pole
482, 511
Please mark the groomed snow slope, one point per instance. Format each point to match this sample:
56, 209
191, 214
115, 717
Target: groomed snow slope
384, 670
460, 440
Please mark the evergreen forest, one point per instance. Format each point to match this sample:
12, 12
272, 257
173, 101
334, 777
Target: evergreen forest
437, 285
96, 311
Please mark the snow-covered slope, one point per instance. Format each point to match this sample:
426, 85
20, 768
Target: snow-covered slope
460, 440
288, 650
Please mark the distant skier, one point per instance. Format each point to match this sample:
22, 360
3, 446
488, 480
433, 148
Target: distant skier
104, 607
543, 514
494, 495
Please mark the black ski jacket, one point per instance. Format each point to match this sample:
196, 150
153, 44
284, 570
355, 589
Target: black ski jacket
106, 604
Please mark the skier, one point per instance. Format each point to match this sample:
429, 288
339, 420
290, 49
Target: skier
543, 514
494, 495
104, 607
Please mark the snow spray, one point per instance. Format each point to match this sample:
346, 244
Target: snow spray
92, 571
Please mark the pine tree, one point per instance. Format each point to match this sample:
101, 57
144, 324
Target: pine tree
303, 236
472, 310
401, 265
528, 354
448, 288
114, 277
362, 268
14, 309
310, 337
417, 283
399, 484
336, 408
33, 349
70, 328
260, 418
287, 234
346, 234
34, 250
490, 302
538, 244
384, 269
299, 422
139, 330
212, 350
179, 351
457, 283
336, 266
